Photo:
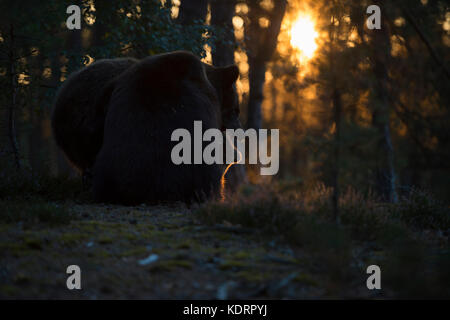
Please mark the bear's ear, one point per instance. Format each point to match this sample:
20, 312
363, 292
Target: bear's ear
230, 74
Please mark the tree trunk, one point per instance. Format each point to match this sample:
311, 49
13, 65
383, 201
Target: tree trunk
34, 137
256, 77
273, 111
260, 44
62, 165
385, 174
100, 28
337, 106
222, 12
12, 134
74, 44
191, 10
381, 108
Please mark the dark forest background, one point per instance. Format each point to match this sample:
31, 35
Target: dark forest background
369, 110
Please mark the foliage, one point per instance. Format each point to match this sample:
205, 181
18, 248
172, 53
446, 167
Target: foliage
421, 210
146, 29
36, 44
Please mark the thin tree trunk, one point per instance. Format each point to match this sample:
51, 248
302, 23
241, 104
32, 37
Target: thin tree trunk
273, 94
74, 42
100, 28
34, 137
62, 165
13, 103
261, 43
256, 77
192, 10
222, 12
385, 176
337, 106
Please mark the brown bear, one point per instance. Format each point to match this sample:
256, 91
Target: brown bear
77, 125
146, 103
78, 118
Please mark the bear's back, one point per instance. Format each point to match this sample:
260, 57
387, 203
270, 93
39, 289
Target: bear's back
74, 123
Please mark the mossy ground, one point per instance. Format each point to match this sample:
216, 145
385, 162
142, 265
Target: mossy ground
107, 242
253, 247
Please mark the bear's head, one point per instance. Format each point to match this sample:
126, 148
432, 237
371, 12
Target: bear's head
223, 80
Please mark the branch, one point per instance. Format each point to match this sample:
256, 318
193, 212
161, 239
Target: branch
425, 40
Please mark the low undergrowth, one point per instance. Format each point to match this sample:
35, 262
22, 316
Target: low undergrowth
409, 239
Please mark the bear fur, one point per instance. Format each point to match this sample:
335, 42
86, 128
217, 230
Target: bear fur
223, 79
78, 117
77, 126
146, 103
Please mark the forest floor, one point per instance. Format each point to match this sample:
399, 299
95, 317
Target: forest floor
251, 250
110, 245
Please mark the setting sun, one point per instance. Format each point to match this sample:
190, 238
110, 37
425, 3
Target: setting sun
303, 37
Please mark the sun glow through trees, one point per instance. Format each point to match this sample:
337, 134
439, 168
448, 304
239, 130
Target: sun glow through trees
303, 37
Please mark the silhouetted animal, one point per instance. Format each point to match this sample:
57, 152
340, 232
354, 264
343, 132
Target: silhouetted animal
146, 103
78, 118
